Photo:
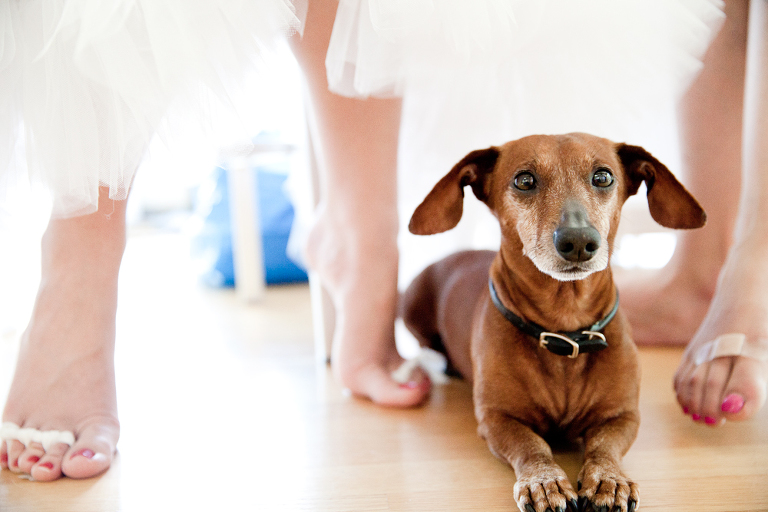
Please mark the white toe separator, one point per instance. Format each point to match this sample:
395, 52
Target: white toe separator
733, 344
432, 362
25, 436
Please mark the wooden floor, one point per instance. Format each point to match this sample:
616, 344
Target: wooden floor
223, 407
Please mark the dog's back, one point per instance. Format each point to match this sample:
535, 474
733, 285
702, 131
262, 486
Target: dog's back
452, 285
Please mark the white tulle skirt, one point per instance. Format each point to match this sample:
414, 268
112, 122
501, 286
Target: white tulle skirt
382, 47
480, 72
510, 66
85, 84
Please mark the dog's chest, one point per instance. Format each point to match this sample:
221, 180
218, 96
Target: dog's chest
564, 396
548, 392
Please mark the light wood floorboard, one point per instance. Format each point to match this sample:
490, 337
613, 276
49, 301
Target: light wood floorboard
223, 407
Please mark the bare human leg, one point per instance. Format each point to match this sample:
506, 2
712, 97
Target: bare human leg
353, 245
734, 388
710, 128
64, 377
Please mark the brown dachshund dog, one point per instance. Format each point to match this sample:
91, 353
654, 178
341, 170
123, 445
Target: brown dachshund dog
536, 327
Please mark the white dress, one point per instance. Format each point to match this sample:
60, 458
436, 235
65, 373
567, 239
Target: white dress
85, 84
475, 73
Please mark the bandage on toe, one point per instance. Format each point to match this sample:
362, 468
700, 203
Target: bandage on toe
733, 344
47, 438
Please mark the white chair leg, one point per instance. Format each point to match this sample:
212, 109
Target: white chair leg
323, 312
247, 249
323, 319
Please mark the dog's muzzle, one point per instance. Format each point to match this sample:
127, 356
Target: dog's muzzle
576, 239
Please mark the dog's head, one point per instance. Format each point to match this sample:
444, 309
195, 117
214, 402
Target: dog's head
560, 196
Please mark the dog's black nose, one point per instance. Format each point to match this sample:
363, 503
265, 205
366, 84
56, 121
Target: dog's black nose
577, 244
576, 239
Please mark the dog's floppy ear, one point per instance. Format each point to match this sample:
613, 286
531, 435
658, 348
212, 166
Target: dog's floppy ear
671, 205
442, 208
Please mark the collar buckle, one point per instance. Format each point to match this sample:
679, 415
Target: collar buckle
593, 334
543, 342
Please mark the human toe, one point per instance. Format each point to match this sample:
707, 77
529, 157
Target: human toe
15, 449
48, 468
92, 453
3, 455
689, 386
711, 391
84, 462
745, 391
30, 456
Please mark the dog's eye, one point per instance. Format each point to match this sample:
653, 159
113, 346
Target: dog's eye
602, 178
525, 181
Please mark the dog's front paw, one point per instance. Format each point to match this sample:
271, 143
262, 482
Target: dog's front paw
604, 488
544, 491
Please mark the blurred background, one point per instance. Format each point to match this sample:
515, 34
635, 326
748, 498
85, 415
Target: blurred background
181, 190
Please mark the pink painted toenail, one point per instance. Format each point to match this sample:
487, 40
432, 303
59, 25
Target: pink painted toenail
686, 410
46, 465
85, 452
733, 403
709, 420
696, 417
15, 463
409, 385
4, 458
33, 459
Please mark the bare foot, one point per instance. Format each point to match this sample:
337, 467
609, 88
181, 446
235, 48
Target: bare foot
665, 306
64, 377
360, 274
732, 388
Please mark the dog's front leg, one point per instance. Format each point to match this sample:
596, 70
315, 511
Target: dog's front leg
601, 481
541, 484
